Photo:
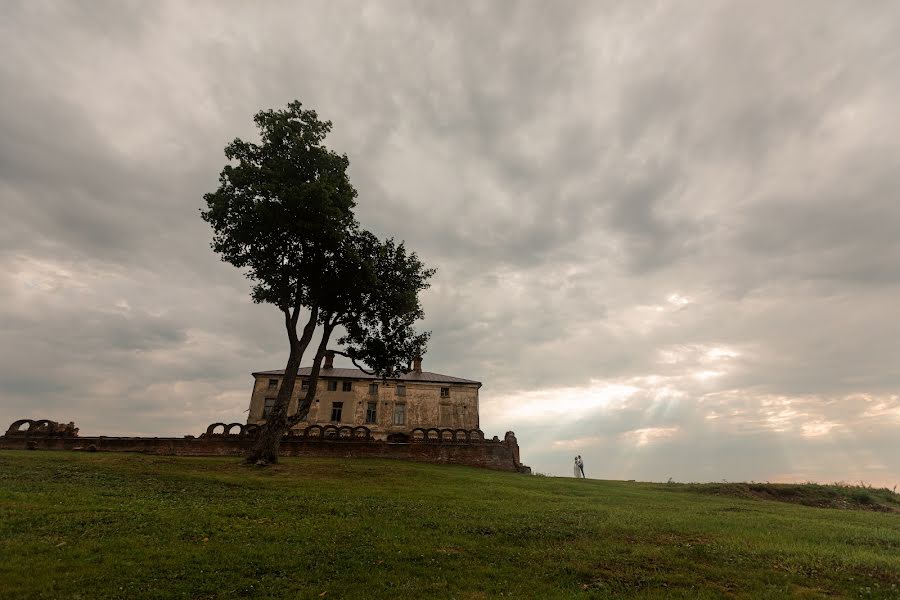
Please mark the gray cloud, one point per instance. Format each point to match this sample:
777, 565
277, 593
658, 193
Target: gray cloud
695, 202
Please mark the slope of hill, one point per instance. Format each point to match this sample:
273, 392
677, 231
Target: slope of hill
134, 526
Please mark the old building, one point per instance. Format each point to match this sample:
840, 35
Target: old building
418, 399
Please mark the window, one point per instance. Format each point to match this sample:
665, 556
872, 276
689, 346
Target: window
332, 386
273, 384
371, 412
400, 414
401, 390
336, 409
373, 388
304, 384
267, 407
347, 386
445, 392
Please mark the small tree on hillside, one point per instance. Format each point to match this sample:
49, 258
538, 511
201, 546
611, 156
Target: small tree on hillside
284, 213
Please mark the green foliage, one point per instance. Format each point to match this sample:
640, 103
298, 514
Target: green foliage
133, 526
283, 207
379, 322
283, 211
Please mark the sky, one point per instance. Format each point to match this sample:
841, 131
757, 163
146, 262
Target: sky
667, 234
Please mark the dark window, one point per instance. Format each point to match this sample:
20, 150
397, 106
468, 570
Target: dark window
336, 409
347, 386
332, 386
371, 412
401, 390
373, 388
304, 384
267, 407
400, 414
445, 392
273, 383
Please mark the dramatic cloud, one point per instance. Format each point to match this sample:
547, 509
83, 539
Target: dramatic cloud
666, 234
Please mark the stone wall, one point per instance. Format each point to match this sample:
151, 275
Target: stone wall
488, 455
473, 451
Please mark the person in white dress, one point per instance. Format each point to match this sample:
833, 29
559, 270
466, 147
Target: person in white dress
579, 468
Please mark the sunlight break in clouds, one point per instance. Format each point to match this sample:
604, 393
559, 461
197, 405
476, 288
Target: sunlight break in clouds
721, 353
31, 275
561, 403
646, 435
577, 444
817, 428
678, 300
707, 374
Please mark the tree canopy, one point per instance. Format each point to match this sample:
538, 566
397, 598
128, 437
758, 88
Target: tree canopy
284, 209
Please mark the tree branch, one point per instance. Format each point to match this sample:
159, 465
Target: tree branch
303, 408
298, 303
310, 326
289, 325
353, 360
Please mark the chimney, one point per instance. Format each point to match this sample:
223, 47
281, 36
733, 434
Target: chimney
329, 360
417, 364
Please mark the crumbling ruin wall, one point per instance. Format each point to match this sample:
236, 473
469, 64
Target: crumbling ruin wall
473, 451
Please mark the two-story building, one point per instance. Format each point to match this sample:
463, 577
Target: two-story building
351, 397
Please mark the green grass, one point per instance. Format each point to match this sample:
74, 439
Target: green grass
836, 495
133, 526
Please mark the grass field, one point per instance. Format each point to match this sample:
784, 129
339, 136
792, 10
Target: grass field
133, 526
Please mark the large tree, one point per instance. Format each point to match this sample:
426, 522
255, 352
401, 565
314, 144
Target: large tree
283, 212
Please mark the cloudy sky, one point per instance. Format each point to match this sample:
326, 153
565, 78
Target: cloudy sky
667, 234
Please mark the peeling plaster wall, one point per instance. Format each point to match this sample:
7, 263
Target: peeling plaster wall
424, 405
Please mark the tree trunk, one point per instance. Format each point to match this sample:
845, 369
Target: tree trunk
264, 449
306, 403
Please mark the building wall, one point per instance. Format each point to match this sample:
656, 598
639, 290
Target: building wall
423, 402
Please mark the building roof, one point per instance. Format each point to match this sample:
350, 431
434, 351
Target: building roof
422, 376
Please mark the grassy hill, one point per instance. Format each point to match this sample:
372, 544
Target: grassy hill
132, 526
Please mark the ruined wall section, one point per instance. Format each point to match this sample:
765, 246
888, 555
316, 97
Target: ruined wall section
434, 445
489, 455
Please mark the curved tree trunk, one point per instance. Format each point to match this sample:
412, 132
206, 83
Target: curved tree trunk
264, 449
306, 402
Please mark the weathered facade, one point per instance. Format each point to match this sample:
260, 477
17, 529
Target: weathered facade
350, 397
